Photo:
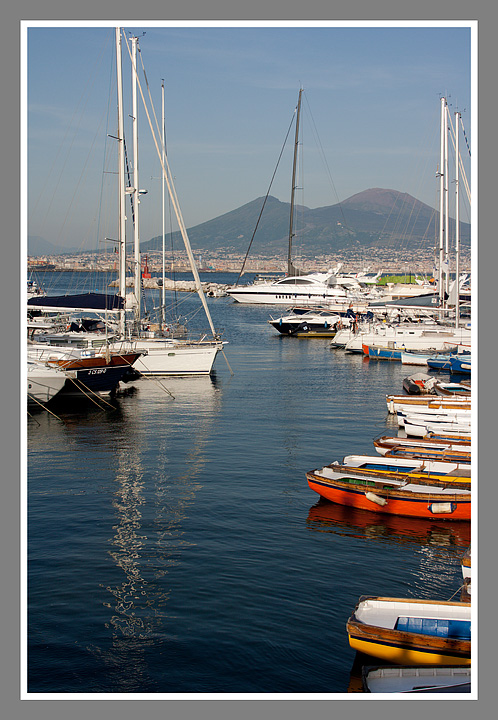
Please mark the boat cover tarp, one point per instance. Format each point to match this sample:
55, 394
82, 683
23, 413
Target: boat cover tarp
440, 627
87, 301
430, 300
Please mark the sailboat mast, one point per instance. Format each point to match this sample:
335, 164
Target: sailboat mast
457, 218
290, 269
446, 205
121, 182
441, 201
136, 195
163, 150
163, 158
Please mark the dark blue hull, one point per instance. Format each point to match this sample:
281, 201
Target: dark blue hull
96, 380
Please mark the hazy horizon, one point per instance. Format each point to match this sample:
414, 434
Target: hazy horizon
370, 119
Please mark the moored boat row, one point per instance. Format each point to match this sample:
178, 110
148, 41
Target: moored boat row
423, 645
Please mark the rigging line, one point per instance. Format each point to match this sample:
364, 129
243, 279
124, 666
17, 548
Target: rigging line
266, 197
176, 206
324, 159
148, 90
463, 174
156, 382
90, 82
87, 392
31, 397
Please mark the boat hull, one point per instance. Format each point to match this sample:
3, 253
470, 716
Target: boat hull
406, 652
101, 380
404, 646
381, 353
303, 329
392, 501
400, 679
163, 358
44, 385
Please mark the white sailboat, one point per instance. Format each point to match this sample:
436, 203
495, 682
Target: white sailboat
164, 355
159, 354
433, 335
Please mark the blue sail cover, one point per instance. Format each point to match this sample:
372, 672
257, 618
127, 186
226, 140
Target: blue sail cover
96, 302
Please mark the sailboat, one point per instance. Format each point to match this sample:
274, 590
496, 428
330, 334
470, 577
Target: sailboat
165, 355
156, 352
329, 289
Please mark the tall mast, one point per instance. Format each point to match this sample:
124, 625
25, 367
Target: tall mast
446, 204
163, 150
290, 267
457, 218
163, 158
135, 191
441, 201
121, 183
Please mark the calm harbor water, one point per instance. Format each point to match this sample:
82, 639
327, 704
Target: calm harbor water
174, 545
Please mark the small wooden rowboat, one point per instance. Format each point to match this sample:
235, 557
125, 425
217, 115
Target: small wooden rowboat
447, 389
421, 453
389, 495
427, 403
441, 474
401, 466
386, 443
424, 679
412, 632
417, 426
448, 436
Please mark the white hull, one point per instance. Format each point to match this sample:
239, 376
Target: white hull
408, 358
398, 679
43, 382
331, 290
411, 337
168, 358
335, 303
415, 428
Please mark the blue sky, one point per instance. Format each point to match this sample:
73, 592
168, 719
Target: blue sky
371, 97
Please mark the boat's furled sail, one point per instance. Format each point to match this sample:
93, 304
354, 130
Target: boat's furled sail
87, 301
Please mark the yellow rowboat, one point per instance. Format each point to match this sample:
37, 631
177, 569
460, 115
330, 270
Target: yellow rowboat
411, 632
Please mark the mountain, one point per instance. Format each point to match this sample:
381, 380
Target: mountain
373, 218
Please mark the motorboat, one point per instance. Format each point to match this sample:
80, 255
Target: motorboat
307, 323
310, 290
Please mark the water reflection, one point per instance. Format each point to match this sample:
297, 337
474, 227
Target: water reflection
151, 499
154, 449
342, 520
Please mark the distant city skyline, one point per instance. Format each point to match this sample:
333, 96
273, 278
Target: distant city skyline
371, 106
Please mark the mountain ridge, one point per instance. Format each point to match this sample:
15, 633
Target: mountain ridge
376, 218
